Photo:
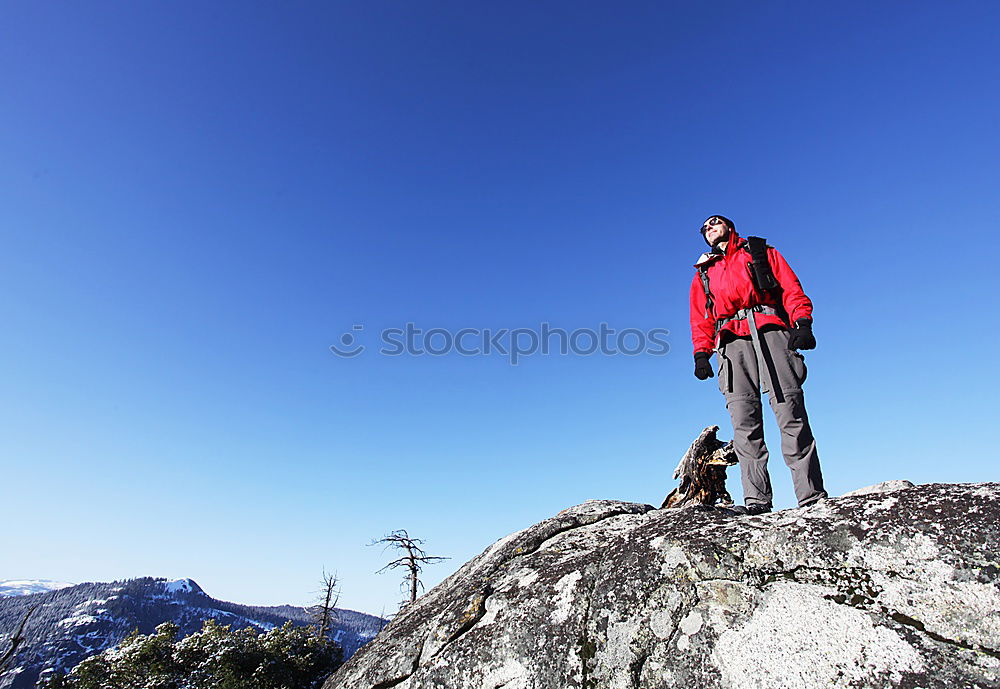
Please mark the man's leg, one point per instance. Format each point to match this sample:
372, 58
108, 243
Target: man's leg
797, 442
738, 370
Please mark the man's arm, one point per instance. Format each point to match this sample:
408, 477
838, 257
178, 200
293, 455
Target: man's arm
793, 298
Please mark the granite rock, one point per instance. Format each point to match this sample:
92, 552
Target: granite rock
897, 588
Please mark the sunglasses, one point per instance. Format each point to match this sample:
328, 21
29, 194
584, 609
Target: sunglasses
712, 222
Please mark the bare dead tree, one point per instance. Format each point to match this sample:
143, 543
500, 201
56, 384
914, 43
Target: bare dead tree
17, 638
412, 561
329, 595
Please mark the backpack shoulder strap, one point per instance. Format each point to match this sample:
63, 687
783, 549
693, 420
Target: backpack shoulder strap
756, 244
763, 275
709, 305
761, 266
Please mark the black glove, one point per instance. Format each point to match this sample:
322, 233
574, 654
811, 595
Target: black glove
802, 336
702, 366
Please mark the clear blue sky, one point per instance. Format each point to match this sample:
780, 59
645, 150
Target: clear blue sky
198, 199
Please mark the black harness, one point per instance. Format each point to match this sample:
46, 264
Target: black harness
763, 279
761, 274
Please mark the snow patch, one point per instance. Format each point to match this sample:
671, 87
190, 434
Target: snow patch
179, 586
76, 620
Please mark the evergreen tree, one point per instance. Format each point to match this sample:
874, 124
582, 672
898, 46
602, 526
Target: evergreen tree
287, 657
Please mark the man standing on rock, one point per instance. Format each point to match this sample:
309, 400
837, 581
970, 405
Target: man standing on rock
744, 300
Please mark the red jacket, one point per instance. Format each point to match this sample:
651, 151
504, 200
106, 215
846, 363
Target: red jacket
732, 289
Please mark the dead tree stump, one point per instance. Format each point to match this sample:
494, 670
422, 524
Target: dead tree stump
702, 471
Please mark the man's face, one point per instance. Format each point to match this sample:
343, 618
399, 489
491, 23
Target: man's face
715, 229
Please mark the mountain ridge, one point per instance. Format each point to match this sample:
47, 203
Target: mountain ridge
71, 623
24, 587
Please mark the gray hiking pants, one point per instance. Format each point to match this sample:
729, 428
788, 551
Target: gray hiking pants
740, 381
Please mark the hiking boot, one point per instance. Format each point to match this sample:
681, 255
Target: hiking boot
751, 510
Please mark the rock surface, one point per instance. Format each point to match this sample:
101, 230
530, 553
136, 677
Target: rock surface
884, 589
884, 487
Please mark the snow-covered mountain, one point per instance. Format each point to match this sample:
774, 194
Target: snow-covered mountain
23, 587
70, 623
